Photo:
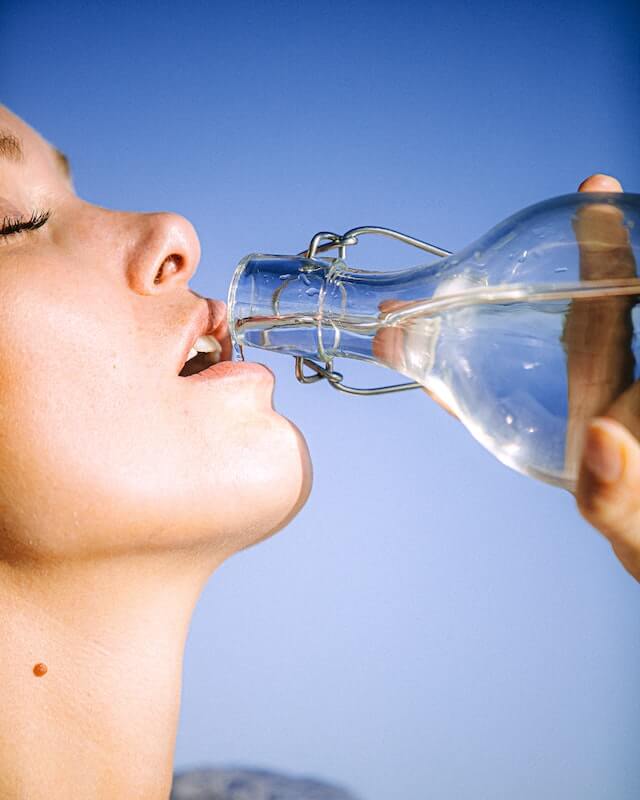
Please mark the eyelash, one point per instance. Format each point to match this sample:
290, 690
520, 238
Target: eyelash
12, 225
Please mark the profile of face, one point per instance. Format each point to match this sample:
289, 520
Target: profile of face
105, 449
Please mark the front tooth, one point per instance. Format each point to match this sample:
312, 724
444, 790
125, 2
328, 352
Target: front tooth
208, 344
193, 352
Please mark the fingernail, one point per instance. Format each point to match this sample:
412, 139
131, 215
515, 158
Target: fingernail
602, 454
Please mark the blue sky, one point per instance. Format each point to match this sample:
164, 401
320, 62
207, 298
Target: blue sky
432, 624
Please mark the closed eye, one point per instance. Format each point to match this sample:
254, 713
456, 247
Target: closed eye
12, 225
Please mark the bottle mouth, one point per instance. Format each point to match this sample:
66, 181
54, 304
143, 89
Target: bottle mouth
274, 303
232, 316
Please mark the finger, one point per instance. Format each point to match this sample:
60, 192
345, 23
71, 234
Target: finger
392, 346
600, 183
608, 492
598, 333
626, 409
602, 236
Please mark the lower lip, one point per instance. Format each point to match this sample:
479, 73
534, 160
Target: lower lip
232, 370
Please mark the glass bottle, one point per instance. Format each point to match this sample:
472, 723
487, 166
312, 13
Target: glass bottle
525, 334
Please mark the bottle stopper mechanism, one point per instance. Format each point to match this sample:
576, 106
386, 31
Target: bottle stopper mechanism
321, 243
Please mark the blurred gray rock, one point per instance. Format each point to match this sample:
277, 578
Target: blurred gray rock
251, 784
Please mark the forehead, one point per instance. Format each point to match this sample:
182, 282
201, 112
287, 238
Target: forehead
22, 145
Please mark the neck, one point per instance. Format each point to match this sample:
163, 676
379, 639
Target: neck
101, 722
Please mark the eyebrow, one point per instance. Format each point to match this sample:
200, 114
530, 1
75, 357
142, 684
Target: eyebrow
63, 162
11, 149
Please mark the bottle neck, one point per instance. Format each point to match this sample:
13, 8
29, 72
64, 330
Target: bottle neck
319, 308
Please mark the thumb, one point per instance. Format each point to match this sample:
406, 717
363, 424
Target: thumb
608, 491
600, 183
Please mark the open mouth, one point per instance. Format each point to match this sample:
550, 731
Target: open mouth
205, 352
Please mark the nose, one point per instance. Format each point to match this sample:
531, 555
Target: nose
164, 253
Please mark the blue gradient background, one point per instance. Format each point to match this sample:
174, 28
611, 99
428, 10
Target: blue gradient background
432, 625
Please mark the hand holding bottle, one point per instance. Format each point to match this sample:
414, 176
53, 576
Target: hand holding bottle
608, 490
602, 395
526, 335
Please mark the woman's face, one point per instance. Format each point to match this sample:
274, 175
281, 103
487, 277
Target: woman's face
104, 447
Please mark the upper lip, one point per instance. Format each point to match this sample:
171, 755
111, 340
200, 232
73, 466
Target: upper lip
209, 319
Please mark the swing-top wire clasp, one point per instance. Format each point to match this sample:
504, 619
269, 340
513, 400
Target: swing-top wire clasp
327, 240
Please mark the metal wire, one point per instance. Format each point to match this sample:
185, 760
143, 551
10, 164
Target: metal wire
327, 240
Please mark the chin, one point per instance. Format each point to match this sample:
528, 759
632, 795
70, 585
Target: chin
255, 492
294, 488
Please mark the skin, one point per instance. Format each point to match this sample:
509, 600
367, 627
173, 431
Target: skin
122, 485
608, 491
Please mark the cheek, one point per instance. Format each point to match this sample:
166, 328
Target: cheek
67, 451
64, 423
98, 454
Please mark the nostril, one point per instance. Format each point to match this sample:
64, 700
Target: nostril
170, 266
163, 254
